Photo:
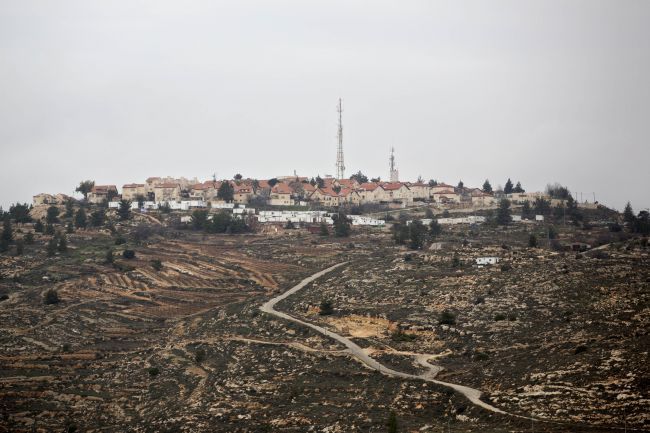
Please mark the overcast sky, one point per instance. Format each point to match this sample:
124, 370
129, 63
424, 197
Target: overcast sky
117, 91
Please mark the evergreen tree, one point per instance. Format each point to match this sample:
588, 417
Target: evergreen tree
20, 213
52, 215
532, 241
226, 192
199, 219
69, 228
124, 211
272, 182
487, 187
526, 211
392, 422
542, 207
341, 225
238, 176
508, 188
20, 247
417, 235
80, 220
7, 231
98, 217
518, 188
62, 247
29, 238
433, 183
69, 208
38, 226
85, 187
401, 233
503, 213
428, 214
320, 182
312, 182
51, 246
109, 256
642, 223
324, 231
435, 229
628, 215
359, 177
460, 186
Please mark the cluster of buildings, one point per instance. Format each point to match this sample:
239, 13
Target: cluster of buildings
297, 190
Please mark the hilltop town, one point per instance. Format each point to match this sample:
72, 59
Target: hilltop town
295, 198
328, 304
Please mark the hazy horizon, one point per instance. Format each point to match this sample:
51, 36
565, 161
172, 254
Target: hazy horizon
538, 92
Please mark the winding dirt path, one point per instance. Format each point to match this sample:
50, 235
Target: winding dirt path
473, 395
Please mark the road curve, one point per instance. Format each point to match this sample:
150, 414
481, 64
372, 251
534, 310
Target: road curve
472, 394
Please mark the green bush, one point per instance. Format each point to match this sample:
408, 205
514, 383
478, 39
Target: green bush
399, 336
199, 356
128, 254
326, 308
499, 317
447, 318
153, 371
51, 297
156, 264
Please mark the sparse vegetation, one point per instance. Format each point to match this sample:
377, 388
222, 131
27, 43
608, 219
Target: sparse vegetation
51, 297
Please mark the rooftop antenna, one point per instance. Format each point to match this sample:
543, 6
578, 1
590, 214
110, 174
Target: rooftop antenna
340, 166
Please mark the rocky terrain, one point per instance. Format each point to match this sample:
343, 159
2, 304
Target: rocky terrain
181, 345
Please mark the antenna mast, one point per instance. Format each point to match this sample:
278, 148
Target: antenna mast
394, 174
340, 166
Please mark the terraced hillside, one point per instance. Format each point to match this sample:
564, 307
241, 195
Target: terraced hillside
562, 337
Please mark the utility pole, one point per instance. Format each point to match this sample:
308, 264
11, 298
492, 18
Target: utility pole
340, 165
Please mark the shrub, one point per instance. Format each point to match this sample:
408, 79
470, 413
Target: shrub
62, 247
447, 318
51, 297
66, 347
479, 300
392, 423
481, 356
580, 349
156, 264
128, 254
532, 241
29, 238
120, 240
109, 256
506, 267
153, 371
398, 335
199, 356
326, 308
51, 247
499, 317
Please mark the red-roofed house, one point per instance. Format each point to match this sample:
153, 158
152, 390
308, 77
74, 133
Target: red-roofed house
349, 196
394, 191
419, 190
367, 192
132, 191
242, 193
325, 196
481, 198
446, 196
99, 193
281, 195
167, 192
